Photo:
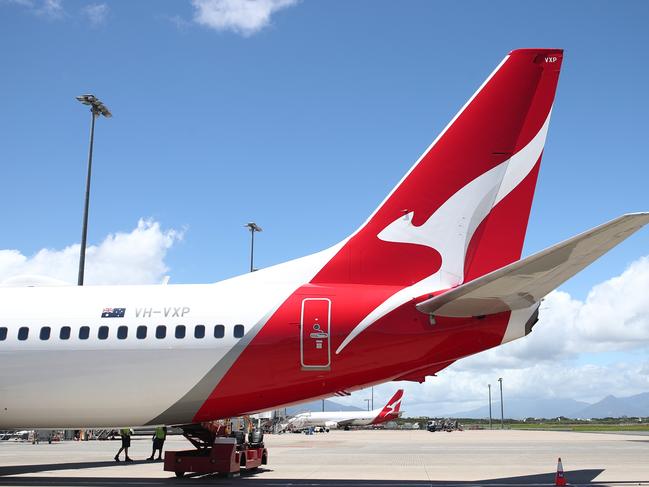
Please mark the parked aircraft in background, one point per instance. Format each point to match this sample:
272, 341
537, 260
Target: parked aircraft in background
432, 276
345, 419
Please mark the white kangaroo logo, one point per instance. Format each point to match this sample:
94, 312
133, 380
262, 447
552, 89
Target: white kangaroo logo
390, 408
450, 228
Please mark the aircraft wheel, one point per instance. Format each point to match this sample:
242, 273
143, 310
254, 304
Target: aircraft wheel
180, 474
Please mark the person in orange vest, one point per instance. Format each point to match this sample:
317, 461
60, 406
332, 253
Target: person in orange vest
159, 438
125, 433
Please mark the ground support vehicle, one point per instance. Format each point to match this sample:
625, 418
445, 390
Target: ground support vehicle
217, 451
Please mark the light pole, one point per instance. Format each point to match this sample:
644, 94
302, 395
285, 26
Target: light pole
323, 405
489, 385
502, 414
368, 403
372, 398
97, 108
253, 227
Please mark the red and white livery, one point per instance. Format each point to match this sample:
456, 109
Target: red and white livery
432, 276
345, 419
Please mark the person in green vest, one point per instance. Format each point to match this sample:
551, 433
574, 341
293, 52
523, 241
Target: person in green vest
159, 438
125, 433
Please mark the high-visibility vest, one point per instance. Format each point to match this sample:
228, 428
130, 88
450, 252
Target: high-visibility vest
125, 432
160, 433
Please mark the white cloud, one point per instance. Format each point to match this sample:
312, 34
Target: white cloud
121, 258
613, 317
50, 9
457, 389
244, 17
96, 13
22, 3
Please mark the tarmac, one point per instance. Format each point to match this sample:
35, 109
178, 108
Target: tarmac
354, 459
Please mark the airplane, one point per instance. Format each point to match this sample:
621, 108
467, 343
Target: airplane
433, 275
345, 419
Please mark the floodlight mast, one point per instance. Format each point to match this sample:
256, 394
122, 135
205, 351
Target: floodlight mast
253, 227
97, 108
502, 411
489, 386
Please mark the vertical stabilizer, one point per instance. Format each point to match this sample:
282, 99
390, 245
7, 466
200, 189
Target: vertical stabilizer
462, 209
391, 409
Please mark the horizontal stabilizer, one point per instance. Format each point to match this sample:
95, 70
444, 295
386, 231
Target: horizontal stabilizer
523, 283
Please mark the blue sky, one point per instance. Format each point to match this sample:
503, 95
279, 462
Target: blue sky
302, 124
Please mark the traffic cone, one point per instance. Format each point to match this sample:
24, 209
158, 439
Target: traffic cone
560, 478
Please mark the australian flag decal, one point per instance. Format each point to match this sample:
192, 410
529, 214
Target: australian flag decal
113, 313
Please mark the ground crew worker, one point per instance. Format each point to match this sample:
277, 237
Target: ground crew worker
125, 433
159, 438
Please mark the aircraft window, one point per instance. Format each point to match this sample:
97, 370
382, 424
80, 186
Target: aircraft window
141, 332
161, 331
122, 332
64, 334
238, 331
219, 331
23, 333
3, 333
180, 331
199, 331
103, 333
84, 332
45, 333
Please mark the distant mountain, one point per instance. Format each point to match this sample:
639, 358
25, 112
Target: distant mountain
610, 406
526, 408
317, 406
616, 407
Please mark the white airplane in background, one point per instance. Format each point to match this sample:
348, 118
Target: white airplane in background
345, 419
433, 275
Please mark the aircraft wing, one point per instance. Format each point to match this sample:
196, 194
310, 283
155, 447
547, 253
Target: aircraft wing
521, 284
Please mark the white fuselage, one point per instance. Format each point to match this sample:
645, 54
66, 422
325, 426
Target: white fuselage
121, 382
334, 419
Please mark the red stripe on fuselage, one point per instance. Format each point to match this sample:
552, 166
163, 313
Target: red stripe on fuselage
268, 372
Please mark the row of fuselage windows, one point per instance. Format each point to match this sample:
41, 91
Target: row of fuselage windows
141, 332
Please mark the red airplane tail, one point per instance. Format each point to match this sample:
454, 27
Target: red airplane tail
391, 409
462, 209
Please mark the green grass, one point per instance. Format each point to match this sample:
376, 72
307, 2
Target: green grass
579, 427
